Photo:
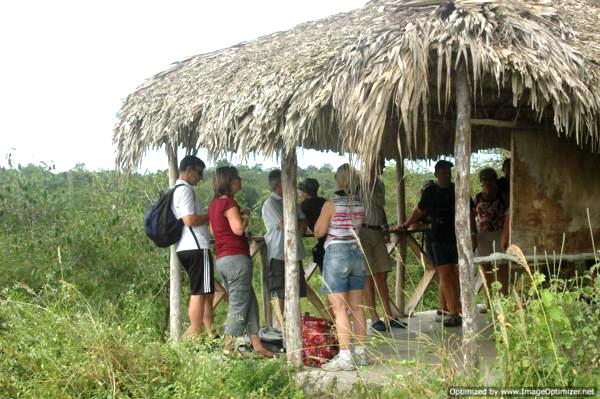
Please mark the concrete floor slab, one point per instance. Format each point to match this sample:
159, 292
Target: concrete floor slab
424, 343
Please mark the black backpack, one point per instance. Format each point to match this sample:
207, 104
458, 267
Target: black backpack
160, 223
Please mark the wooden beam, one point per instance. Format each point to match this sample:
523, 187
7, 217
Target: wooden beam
428, 272
401, 217
500, 256
293, 338
254, 247
416, 297
493, 123
316, 301
264, 272
220, 294
428, 275
394, 240
462, 154
174, 268
310, 270
418, 251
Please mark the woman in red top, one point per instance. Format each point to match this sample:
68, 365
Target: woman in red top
228, 224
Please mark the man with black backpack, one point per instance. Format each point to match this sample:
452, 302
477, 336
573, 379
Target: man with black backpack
193, 246
437, 203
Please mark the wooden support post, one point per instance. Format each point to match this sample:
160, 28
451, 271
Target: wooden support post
401, 215
264, 289
174, 268
420, 289
428, 275
219, 294
292, 267
462, 154
310, 270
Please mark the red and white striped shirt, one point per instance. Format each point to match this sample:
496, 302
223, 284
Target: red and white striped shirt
347, 220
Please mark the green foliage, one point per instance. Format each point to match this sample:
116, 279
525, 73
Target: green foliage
84, 294
54, 344
101, 334
550, 336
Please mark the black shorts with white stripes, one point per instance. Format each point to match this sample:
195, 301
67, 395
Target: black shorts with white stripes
198, 264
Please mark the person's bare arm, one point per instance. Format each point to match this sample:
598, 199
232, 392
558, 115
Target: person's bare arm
236, 222
322, 225
416, 215
195, 220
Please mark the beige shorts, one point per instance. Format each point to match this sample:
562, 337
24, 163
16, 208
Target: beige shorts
373, 244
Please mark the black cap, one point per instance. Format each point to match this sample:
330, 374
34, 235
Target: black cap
310, 186
442, 163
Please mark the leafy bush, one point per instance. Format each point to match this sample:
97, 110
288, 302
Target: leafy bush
84, 294
54, 344
550, 336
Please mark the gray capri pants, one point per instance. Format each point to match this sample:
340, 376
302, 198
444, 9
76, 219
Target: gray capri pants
242, 313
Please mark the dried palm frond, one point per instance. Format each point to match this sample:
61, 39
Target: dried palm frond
362, 82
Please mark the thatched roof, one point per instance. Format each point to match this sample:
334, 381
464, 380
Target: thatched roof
379, 77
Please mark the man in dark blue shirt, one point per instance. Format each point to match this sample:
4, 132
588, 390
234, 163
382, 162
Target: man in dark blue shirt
438, 205
311, 205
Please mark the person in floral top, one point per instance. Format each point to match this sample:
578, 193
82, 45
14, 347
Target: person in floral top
489, 211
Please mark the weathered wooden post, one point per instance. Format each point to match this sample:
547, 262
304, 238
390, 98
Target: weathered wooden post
462, 153
401, 215
293, 339
264, 269
174, 269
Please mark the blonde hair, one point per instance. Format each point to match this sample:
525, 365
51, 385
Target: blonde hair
346, 179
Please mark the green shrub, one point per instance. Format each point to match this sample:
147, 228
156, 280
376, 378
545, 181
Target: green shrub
550, 336
102, 333
53, 344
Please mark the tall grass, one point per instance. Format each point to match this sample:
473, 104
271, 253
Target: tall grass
548, 334
83, 298
83, 306
53, 344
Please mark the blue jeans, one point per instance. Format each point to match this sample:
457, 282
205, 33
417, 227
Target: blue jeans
343, 268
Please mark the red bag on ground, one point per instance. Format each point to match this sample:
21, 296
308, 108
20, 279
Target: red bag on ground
319, 344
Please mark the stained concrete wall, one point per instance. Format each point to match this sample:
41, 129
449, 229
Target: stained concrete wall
553, 183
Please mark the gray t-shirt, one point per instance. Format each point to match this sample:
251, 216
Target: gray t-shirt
272, 214
375, 210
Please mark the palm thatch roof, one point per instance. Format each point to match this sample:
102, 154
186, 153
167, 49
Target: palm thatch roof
379, 80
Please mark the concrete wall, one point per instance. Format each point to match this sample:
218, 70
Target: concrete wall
553, 182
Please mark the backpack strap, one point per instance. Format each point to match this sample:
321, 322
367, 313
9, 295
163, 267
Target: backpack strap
190, 227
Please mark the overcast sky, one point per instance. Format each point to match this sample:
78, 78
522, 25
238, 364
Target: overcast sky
67, 65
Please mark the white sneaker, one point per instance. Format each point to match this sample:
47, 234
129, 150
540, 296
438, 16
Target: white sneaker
338, 364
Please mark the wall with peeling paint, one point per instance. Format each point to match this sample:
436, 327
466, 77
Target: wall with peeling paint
553, 183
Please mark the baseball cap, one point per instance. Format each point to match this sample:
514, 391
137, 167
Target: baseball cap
310, 186
442, 163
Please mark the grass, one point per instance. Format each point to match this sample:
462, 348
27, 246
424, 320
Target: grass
84, 298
